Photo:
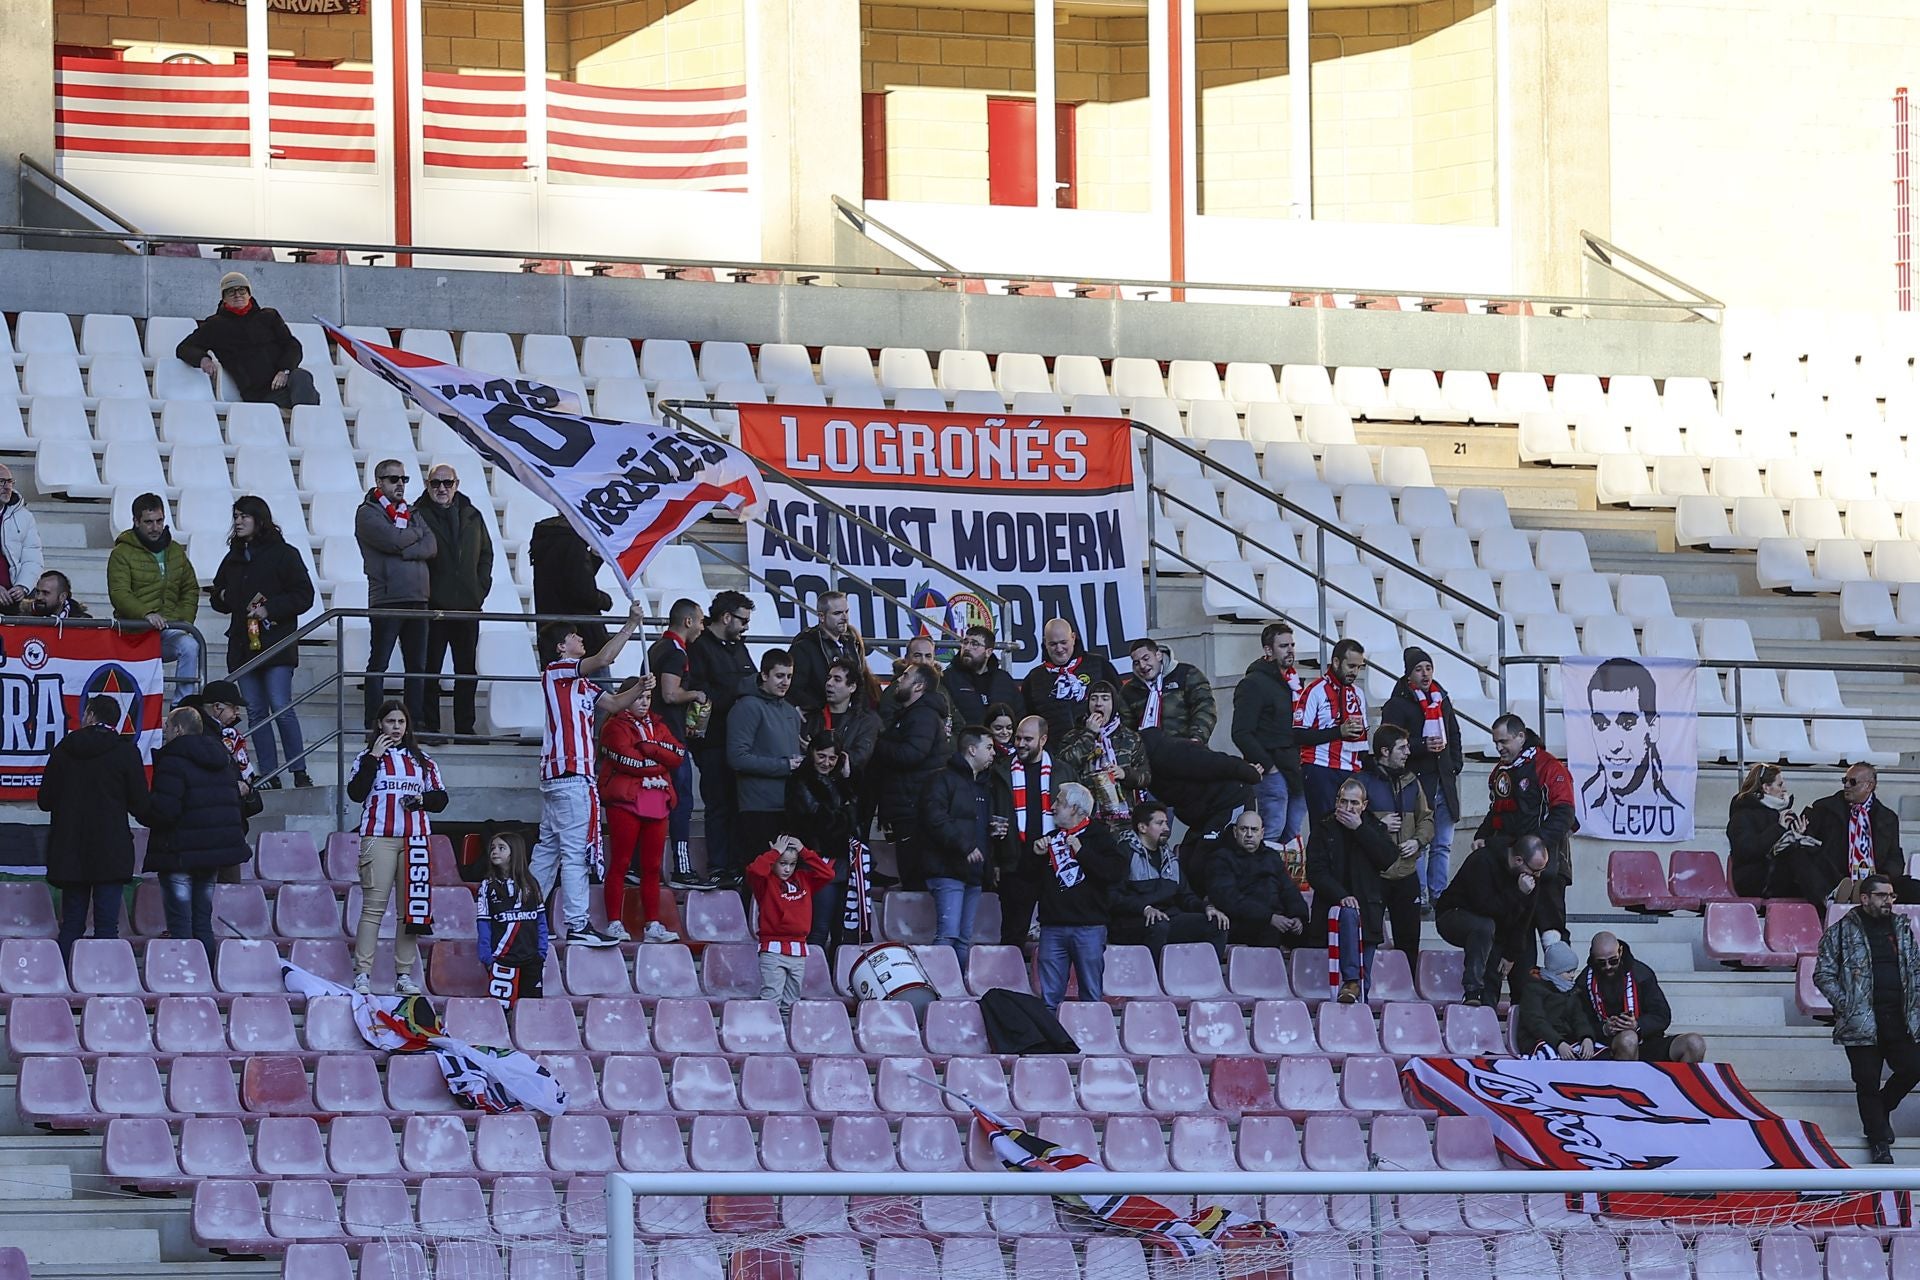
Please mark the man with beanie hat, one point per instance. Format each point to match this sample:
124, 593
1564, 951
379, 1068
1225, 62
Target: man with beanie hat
1552, 1023
1425, 710
253, 344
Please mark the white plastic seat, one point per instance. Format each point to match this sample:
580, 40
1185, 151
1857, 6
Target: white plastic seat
1387, 540
486, 352
1643, 596
133, 464
1677, 476
1527, 592
434, 343
66, 466
1468, 396
1415, 395
1326, 424
1780, 564
1846, 480
1206, 543
1367, 506
1896, 561
1445, 549
1813, 519
1839, 561
1633, 398
1655, 437
1342, 465
1558, 552
1504, 551
1213, 420
1669, 638
1305, 384
1233, 591
1186, 498
903, 369
724, 362
1093, 405
1075, 376
1737, 477
1586, 592
784, 363
1194, 381
57, 418
1285, 465
1549, 635
1405, 467
162, 336
1577, 393
44, 333
1621, 480
602, 357
961, 369
1038, 402
366, 391
1360, 390
1608, 635
1269, 541
1159, 414
624, 399
1269, 422
1018, 371
1317, 500
1709, 436
258, 424
123, 420
1521, 393
1477, 510
1251, 384
315, 427
1135, 377
108, 334
203, 467
1754, 519
53, 374
1867, 608
671, 360
1544, 437
805, 393
1233, 454
332, 471
546, 356
384, 433
117, 375
1596, 434
1789, 478
919, 400
1466, 584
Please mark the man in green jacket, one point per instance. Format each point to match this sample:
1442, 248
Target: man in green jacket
150, 579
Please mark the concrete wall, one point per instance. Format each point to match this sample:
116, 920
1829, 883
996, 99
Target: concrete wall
459, 300
26, 89
1752, 143
1557, 122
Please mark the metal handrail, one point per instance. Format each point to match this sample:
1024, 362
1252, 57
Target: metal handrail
29, 163
817, 270
1606, 252
129, 625
861, 220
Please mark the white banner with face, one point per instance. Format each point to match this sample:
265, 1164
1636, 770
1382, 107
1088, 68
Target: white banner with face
1631, 738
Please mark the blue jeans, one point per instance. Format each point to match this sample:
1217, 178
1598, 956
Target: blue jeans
1084, 947
182, 648
562, 853
1433, 874
1283, 808
75, 899
411, 634
1356, 957
267, 689
188, 898
954, 902
1322, 784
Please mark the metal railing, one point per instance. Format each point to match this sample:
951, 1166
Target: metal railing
1615, 264
866, 224
60, 184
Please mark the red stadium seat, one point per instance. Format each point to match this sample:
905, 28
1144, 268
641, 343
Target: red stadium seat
1734, 937
1637, 881
1792, 928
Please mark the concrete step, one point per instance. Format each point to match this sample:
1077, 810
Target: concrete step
35, 1182
59, 1232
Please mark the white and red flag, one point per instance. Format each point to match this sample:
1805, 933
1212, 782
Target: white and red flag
627, 488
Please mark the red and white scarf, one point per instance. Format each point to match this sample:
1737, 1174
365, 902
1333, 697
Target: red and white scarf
1020, 795
1860, 840
1630, 992
236, 744
1431, 701
1068, 686
1060, 859
397, 512
1333, 947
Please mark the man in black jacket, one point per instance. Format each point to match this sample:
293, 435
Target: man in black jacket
93, 785
1033, 774
1171, 705
1625, 1009
975, 680
1858, 836
253, 344
1155, 904
828, 641
1247, 881
912, 748
458, 578
965, 815
719, 665
194, 813
1079, 865
1056, 687
1487, 911
565, 579
1263, 732
1346, 857
1420, 706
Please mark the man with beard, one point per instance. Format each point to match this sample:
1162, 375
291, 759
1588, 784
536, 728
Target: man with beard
53, 597
1626, 1010
1171, 706
1056, 688
150, 579
975, 680
1532, 795
828, 641
1032, 774
1330, 727
1263, 731
1869, 971
719, 665
1626, 795
1156, 904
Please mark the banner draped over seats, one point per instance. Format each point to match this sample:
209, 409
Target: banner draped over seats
47, 672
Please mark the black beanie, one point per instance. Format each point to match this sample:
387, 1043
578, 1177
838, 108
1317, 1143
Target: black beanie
1413, 657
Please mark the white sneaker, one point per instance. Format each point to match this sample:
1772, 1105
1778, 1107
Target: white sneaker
616, 931
657, 932
404, 985
362, 985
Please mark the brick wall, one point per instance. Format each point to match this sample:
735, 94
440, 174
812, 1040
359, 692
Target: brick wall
655, 44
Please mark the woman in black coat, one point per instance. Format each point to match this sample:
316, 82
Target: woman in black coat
194, 811
264, 586
1760, 816
93, 784
820, 815
1346, 853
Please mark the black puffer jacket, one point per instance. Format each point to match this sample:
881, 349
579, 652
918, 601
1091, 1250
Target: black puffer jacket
1263, 719
972, 692
906, 756
956, 817
1343, 863
271, 569
195, 808
1252, 886
819, 814
461, 570
1752, 831
251, 346
92, 785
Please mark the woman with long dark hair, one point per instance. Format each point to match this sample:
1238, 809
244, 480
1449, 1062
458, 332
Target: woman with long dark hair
264, 587
1761, 825
397, 785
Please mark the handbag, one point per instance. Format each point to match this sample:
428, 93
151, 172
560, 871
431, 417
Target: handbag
652, 802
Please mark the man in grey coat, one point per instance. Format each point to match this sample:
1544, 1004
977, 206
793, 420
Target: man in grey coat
764, 747
396, 546
1869, 971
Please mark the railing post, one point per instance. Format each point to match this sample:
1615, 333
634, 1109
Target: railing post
1320, 587
1739, 727
1540, 695
1153, 556
1500, 631
339, 723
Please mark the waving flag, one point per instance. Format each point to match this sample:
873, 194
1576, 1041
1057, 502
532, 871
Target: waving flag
627, 488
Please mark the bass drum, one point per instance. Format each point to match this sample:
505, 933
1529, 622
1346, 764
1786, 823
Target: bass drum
890, 971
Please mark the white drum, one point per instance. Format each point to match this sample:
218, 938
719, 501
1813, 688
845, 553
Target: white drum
890, 971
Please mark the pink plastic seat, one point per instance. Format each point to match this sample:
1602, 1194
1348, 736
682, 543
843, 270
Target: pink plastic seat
931, 1144
752, 1026
1311, 980
1662, 1255
1305, 1085
300, 1209
1176, 1086
545, 1026
652, 1144
1726, 1255
360, 1146
820, 1027
1189, 971
793, 1144
509, 1143
942, 968
730, 970
840, 1085
329, 1025
26, 910
994, 966
452, 1206
1151, 1027
1333, 1144
522, 1206
175, 966
1239, 1084
580, 1144
1410, 1030
769, 1083
1371, 1083
1695, 877
1457, 1256
104, 966
573, 1072
214, 1147
1440, 977
188, 1024
436, 1145
53, 1092
1024, 1215
1637, 881
275, 1084
1792, 928
416, 1085
715, 915
287, 855
240, 911
1788, 1255
227, 1217
684, 1026
1269, 1144
113, 1024
596, 971
1283, 1027
887, 1028
289, 1147
1464, 1142
123, 1086
1109, 1085
330, 959
249, 967
140, 1148
1258, 973
476, 1020
1390, 978
955, 1028
1134, 1144
32, 967
1853, 1255
907, 917
1042, 1086
1807, 996
371, 1208
393, 1260
40, 1024
347, 1084
980, 1079
1092, 1025
1734, 937
1217, 1027
202, 1085
665, 969
615, 1024
900, 1087
342, 859
306, 911
721, 1144
261, 1024
1474, 1032
1347, 1028
1129, 973
1201, 1144
702, 1084
861, 1144
632, 1083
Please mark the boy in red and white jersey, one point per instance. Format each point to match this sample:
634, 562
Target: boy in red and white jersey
1330, 727
783, 880
569, 795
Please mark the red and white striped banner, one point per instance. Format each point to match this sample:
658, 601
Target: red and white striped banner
161, 110
320, 115
692, 139
473, 124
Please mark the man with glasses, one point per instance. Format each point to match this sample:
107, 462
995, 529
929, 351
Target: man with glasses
21, 558
1858, 837
828, 641
458, 579
1625, 1009
1487, 910
1869, 971
396, 546
719, 666
253, 344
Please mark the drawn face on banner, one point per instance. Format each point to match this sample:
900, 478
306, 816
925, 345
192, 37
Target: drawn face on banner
1622, 773
1626, 730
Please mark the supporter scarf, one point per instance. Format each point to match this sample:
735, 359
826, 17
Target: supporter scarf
1333, 947
1630, 994
1066, 868
1020, 794
1294, 682
1431, 701
397, 512
236, 744
1150, 714
857, 917
1109, 797
1860, 840
419, 898
1067, 685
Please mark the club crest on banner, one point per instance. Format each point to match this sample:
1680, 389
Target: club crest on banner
1632, 736
116, 682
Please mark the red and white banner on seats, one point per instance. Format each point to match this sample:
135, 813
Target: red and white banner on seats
471, 125
48, 671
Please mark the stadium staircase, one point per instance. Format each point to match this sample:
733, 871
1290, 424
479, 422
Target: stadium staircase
58, 1202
